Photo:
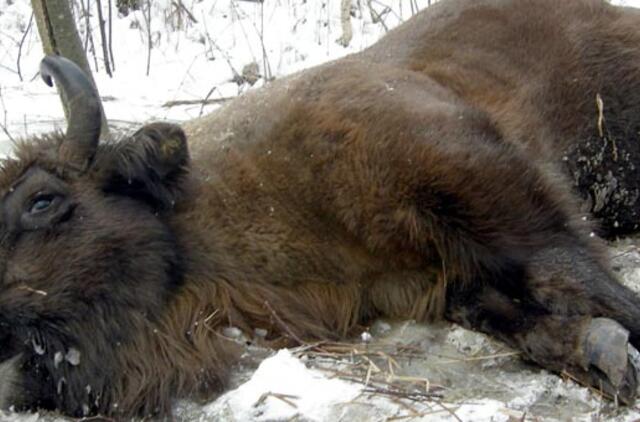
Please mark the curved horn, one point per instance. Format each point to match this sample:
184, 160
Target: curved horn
84, 109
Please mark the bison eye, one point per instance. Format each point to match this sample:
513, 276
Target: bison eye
41, 203
44, 210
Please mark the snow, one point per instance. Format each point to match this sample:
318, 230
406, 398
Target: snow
283, 388
192, 60
187, 63
290, 385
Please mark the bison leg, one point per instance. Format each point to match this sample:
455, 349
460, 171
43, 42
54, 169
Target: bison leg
567, 279
594, 351
500, 224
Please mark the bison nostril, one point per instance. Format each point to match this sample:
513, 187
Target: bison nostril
38, 347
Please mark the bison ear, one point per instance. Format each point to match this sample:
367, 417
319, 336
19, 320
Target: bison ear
165, 145
150, 166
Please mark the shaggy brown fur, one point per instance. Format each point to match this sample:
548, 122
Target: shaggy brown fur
423, 178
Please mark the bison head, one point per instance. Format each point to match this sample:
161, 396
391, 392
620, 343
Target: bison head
87, 256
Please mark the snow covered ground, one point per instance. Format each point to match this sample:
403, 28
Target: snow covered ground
450, 373
414, 372
190, 59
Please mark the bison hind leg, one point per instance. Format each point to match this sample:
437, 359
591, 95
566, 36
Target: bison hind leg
593, 351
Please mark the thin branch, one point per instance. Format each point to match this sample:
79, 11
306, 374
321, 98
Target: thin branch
3, 126
6, 131
103, 38
451, 412
213, 44
85, 14
282, 324
414, 395
147, 18
206, 97
260, 31
205, 101
265, 60
378, 17
24, 36
179, 5
387, 9
89, 44
113, 63
286, 398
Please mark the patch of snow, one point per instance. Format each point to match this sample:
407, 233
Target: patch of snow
283, 388
15, 417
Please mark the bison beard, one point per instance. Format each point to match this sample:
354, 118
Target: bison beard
422, 178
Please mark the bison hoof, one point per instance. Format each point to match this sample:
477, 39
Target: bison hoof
607, 362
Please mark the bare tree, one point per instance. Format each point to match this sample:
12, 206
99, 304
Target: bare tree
59, 36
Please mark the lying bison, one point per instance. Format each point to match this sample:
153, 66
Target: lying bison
438, 174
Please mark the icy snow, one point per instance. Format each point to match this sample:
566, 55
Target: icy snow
302, 391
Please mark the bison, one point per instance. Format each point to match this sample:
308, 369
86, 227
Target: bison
442, 173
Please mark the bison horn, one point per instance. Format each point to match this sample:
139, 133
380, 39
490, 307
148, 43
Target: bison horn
84, 110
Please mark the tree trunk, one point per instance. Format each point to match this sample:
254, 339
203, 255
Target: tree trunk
345, 21
59, 36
